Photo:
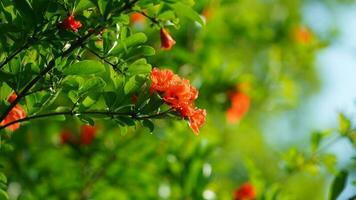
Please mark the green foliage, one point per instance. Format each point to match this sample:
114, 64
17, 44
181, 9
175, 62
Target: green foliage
100, 76
338, 184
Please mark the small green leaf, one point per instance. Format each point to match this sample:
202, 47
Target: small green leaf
85, 67
110, 98
148, 124
338, 184
139, 67
123, 130
344, 124
128, 121
133, 84
186, 11
83, 5
86, 120
133, 40
329, 161
3, 178
102, 6
95, 83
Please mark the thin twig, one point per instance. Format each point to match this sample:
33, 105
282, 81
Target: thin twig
9, 58
71, 113
103, 59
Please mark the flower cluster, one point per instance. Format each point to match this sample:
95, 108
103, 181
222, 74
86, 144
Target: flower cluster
71, 24
240, 104
16, 113
86, 137
245, 192
167, 41
179, 94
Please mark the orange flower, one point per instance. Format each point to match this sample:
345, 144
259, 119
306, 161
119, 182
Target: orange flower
302, 35
196, 120
240, 104
245, 192
180, 95
71, 24
161, 79
12, 97
137, 18
166, 39
87, 134
16, 113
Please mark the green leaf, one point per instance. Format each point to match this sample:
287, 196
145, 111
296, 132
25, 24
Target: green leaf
85, 67
148, 124
133, 84
329, 161
3, 178
26, 11
186, 11
133, 40
86, 120
316, 139
83, 5
127, 121
3, 195
110, 98
102, 6
5, 76
95, 83
139, 67
338, 184
123, 130
344, 124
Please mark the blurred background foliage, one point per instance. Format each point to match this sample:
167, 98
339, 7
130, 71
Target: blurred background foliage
261, 48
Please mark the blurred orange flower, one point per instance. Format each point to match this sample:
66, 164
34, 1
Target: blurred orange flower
240, 104
245, 192
166, 39
137, 18
303, 35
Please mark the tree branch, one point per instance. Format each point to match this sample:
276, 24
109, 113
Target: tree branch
71, 113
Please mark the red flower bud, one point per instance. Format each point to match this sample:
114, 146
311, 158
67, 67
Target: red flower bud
166, 40
87, 134
245, 192
66, 137
134, 99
